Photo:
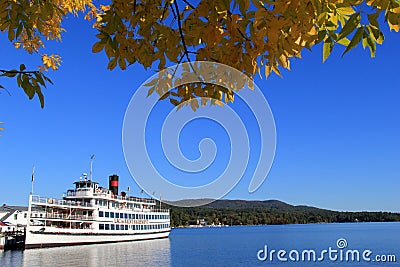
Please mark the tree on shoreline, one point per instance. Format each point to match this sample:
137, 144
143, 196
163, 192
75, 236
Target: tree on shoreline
251, 36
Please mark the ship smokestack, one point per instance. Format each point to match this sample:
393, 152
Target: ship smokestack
113, 184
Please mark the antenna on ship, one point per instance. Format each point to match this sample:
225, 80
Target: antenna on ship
32, 179
91, 165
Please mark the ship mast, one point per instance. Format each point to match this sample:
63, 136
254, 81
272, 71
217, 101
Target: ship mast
91, 166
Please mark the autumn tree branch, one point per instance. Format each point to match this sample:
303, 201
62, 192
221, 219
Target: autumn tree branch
189, 4
19, 72
178, 17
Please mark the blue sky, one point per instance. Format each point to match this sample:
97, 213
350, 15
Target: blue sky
338, 127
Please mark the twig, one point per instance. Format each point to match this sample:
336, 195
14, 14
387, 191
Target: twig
181, 31
17, 71
164, 10
189, 4
244, 36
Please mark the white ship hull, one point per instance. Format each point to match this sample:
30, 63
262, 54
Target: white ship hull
48, 239
90, 214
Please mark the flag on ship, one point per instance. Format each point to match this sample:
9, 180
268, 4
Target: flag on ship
33, 174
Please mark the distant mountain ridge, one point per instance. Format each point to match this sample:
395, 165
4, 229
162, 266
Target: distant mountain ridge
254, 212
241, 204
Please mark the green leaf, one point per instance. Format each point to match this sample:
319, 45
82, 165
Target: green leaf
327, 49
112, 64
350, 26
344, 41
372, 18
19, 80
122, 63
356, 39
371, 45
39, 78
11, 34
194, 104
174, 102
164, 96
47, 79
321, 36
19, 30
10, 73
97, 47
151, 90
151, 83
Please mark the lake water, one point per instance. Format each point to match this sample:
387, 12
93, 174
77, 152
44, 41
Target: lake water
233, 246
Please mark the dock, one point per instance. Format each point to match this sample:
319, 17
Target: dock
13, 240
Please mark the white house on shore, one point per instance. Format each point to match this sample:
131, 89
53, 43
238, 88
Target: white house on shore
16, 217
13, 216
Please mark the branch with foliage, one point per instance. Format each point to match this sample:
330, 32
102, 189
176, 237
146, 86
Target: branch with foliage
251, 36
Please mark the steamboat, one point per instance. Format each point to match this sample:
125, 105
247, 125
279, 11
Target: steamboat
91, 214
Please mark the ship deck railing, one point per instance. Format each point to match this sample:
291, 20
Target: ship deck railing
54, 201
63, 216
159, 210
105, 195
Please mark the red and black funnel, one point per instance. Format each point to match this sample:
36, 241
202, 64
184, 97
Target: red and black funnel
113, 184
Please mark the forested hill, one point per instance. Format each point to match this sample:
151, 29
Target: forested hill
244, 212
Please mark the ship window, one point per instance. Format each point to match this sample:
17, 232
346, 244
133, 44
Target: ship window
101, 214
106, 227
121, 215
112, 226
107, 214
126, 227
126, 216
117, 227
101, 226
116, 215
111, 214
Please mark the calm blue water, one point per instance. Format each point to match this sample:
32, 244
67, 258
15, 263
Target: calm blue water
227, 246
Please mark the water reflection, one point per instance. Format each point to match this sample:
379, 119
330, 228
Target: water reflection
139, 253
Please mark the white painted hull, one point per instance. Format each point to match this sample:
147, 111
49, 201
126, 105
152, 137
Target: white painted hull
47, 239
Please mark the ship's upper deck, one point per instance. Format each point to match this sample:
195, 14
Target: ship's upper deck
87, 189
